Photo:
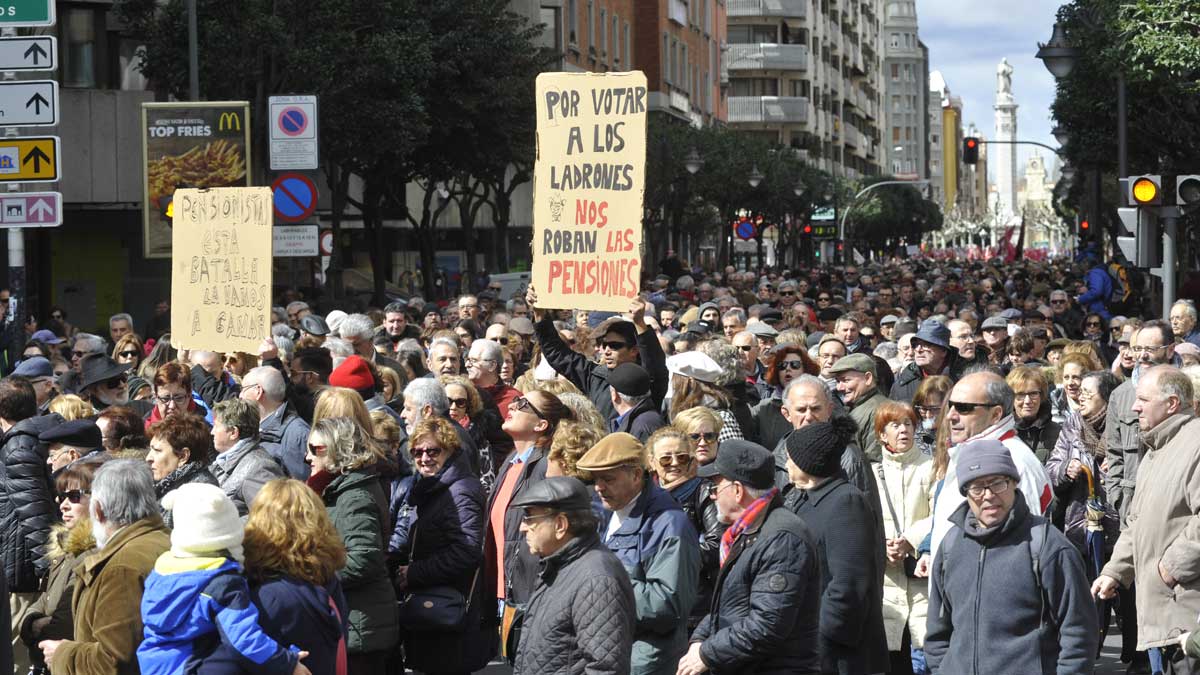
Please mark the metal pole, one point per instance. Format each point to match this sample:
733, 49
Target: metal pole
1122, 127
193, 52
1168, 262
16, 259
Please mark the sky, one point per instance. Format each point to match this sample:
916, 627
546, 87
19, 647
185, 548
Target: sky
967, 39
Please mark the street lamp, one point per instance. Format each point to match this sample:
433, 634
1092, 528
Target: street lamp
1058, 54
755, 178
798, 188
1060, 134
693, 162
1068, 173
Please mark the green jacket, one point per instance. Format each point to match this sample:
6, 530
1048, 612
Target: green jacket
358, 510
863, 414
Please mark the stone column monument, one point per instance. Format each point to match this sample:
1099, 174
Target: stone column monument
1004, 154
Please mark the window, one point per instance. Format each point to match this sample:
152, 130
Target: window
591, 28
895, 72
895, 134
551, 30
683, 66
708, 7
754, 86
675, 62
707, 92
895, 42
572, 21
908, 134
896, 103
933, 138
603, 31
628, 53
666, 64
749, 34
801, 88
616, 51
79, 34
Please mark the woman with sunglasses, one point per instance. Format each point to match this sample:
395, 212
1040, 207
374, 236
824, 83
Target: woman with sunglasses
784, 364
702, 427
343, 457
480, 421
49, 617
673, 460
129, 350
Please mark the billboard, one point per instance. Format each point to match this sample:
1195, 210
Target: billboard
189, 145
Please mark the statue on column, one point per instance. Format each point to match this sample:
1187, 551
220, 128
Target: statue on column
1004, 77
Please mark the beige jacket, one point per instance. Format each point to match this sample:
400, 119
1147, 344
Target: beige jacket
908, 480
1163, 525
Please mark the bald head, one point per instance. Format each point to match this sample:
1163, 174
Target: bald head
977, 402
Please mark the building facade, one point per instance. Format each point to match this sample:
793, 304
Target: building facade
808, 74
906, 93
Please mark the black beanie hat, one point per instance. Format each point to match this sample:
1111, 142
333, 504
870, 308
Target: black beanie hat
817, 448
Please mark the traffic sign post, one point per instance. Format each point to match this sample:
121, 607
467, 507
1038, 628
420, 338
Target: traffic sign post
295, 241
294, 141
29, 160
22, 13
29, 103
295, 197
31, 209
28, 54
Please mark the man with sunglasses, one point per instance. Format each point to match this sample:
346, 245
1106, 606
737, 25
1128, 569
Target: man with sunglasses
621, 342
103, 382
85, 344
1049, 626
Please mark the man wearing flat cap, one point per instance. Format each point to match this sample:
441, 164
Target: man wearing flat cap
581, 615
620, 342
71, 441
654, 539
767, 601
636, 414
859, 389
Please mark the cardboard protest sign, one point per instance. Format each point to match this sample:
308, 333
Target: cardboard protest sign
589, 181
221, 269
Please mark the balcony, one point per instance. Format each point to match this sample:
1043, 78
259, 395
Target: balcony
767, 57
785, 9
768, 110
677, 11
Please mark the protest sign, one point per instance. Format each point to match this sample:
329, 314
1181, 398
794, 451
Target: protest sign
589, 180
221, 269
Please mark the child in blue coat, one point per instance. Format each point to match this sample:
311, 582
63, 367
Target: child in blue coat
197, 599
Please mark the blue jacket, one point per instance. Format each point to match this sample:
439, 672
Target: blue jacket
660, 549
190, 606
1099, 291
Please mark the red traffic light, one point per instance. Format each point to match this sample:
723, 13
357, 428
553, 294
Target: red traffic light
971, 142
1083, 225
808, 229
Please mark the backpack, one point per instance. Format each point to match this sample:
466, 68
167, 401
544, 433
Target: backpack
1039, 533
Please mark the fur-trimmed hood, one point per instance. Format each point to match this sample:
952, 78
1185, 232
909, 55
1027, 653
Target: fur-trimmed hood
70, 541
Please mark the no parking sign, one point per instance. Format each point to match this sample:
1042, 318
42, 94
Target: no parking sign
294, 140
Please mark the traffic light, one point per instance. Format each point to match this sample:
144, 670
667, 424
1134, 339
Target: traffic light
1187, 192
1084, 225
808, 229
970, 150
1141, 241
1145, 190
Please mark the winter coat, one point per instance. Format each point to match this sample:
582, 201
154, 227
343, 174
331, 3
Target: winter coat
908, 380
1073, 494
767, 602
191, 472
1163, 528
284, 435
1016, 628
580, 618
771, 424
695, 498
1040, 434
520, 566
1099, 292
592, 377
291, 612
446, 549
1123, 438
106, 602
358, 510
243, 471
49, 617
641, 421
27, 508
400, 513
213, 390
863, 414
661, 552
907, 478
852, 638
190, 605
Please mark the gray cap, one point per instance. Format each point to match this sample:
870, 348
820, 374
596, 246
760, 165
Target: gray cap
856, 362
762, 330
994, 322
1012, 313
984, 457
888, 318
35, 368
744, 462
560, 492
314, 325
521, 326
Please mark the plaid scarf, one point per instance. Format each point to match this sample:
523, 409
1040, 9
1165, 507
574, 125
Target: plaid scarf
748, 518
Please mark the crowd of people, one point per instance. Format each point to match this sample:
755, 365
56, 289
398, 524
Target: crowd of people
908, 467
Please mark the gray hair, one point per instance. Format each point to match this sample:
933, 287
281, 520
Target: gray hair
347, 445
886, 350
92, 343
1174, 382
240, 414
489, 350
357, 325
1187, 305
753, 337
126, 318
513, 302
756, 493
632, 400
279, 330
685, 282
271, 382
997, 390
297, 306
286, 348
426, 391
815, 382
446, 341
736, 313
338, 348
124, 490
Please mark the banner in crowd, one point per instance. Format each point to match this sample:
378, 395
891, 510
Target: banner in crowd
221, 269
189, 145
589, 181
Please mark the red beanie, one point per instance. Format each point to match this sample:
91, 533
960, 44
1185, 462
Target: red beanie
352, 374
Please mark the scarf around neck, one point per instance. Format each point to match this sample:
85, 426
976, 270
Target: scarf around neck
748, 518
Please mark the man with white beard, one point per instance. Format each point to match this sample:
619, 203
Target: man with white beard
103, 382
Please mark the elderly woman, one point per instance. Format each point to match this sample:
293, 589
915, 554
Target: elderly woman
905, 477
1065, 399
342, 456
784, 364
180, 452
571, 441
693, 378
1031, 410
702, 426
444, 548
673, 461
49, 617
173, 395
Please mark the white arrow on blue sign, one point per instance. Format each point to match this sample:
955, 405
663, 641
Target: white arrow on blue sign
35, 52
29, 103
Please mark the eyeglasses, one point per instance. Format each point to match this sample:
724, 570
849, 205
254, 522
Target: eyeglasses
177, 400
1093, 324
787, 293
458, 402
316, 449
116, 382
996, 487
614, 345
927, 410
1058, 302
675, 460
73, 496
824, 298
794, 364
79, 354
1030, 395
1144, 350
431, 453
967, 408
494, 288
707, 436
722, 487
525, 405
746, 348
130, 354
528, 519
501, 340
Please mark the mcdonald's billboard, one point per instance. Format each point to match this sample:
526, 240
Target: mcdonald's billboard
189, 145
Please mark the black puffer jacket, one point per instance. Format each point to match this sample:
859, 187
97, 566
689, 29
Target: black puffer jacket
767, 602
581, 617
27, 508
695, 497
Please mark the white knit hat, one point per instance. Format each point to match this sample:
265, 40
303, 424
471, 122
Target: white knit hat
206, 521
334, 320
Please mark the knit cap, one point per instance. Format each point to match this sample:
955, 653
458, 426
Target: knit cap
817, 448
206, 521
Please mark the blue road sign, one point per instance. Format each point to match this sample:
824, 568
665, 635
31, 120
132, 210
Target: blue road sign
295, 197
745, 230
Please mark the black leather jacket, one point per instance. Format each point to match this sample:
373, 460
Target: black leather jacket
695, 498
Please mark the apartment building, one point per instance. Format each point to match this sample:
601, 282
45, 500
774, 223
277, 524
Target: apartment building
808, 74
947, 171
906, 93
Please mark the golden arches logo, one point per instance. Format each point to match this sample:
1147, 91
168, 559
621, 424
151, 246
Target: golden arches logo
229, 120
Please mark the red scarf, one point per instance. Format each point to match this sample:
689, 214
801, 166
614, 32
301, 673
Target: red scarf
319, 480
748, 518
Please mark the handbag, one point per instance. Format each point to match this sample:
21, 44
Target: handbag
910, 563
437, 608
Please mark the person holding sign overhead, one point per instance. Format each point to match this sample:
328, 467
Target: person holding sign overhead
621, 342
